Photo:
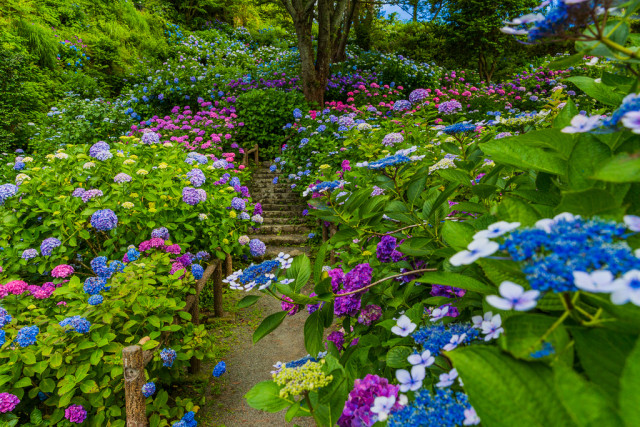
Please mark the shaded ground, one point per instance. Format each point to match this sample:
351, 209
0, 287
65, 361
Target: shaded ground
248, 364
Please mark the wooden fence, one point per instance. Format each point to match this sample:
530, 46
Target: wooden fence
134, 359
256, 157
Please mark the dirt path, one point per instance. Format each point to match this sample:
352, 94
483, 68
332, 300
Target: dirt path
248, 364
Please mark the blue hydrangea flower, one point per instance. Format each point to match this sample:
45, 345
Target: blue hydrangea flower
2, 337
5, 317
220, 369
257, 248
459, 128
79, 324
95, 299
133, 254
443, 409
196, 177
93, 285
148, 389
168, 356
29, 254
197, 271
27, 336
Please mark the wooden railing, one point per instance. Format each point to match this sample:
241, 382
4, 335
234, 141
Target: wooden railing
327, 233
256, 158
134, 359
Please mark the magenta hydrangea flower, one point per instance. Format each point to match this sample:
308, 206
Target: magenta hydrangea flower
8, 402
62, 271
289, 306
16, 287
75, 414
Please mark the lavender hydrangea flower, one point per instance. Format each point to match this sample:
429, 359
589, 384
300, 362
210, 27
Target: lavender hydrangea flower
90, 194
401, 105
449, 107
122, 177
162, 233
418, 95
29, 254
257, 248
98, 147
392, 138
48, 245
190, 196
238, 204
104, 155
7, 191
196, 177
150, 137
104, 220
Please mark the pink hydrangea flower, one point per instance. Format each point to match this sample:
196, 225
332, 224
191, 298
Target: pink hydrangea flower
62, 271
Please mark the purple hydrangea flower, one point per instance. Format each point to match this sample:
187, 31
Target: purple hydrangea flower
196, 177
418, 95
48, 245
75, 414
257, 248
449, 107
369, 314
238, 204
357, 409
104, 220
190, 196
337, 338
8, 402
78, 192
90, 194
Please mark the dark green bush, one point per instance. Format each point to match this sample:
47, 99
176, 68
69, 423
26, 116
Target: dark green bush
263, 112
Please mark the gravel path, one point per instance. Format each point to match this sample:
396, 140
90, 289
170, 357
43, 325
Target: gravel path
248, 364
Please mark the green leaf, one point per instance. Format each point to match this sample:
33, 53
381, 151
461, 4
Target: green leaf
524, 333
521, 394
268, 325
587, 156
28, 358
300, 271
313, 330
248, 301
397, 357
56, 360
586, 405
457, 234
319, 263
598, 91
630, 388
36, 417
47, 385
23, 382
457, 280
566, 62
89, 386
621, 168
515, 210
265, 396
456, 176
96, 356
603, 367
513, 152
417, 246
587, 203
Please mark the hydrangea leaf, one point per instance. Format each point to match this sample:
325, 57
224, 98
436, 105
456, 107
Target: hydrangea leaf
265, 396
630, 388
521, 394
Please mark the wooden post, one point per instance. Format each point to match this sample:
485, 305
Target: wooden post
217, 291
245, 159
256, 156
136, 406
229, 265
325, 236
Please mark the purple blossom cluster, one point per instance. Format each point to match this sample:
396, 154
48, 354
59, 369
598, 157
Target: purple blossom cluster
359, 277
48, 245
75, 414
357, 409
104, 220
196, 177
386, 250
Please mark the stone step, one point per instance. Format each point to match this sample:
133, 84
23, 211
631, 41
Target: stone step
278, 214
294, 209
283, 240
284, 229
290, 221
277, 198
294, 251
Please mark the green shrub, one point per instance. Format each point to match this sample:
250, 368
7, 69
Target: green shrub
263, 112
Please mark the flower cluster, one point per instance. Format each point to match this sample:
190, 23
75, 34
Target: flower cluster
298, 380
358, 408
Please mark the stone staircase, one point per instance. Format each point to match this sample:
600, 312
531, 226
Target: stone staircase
284, 228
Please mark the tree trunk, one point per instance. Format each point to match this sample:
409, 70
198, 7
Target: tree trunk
415, 11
